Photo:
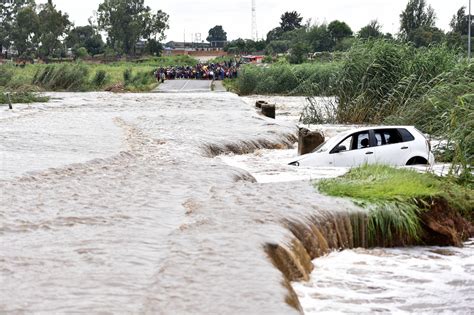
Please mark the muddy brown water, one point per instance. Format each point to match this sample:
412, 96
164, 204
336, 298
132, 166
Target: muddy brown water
116, 203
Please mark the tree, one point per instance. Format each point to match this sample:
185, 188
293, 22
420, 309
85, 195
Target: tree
339, 30
25, 30
217, 34
298, 53
127, 21
237, 46
319, 38
290, 21
274, 34
87, 37
425, 36
8, 15
460, 22
277, 47
54, 25
416, 15
371, 30
154, 47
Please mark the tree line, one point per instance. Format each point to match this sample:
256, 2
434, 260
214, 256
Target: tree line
131, 27
46, 32
417, 26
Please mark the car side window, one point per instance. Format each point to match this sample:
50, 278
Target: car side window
346, 144
378, 138
388, 136
363, 140
355, 141
406, 135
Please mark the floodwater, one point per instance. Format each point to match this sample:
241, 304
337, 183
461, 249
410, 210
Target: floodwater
420, 280
113, 203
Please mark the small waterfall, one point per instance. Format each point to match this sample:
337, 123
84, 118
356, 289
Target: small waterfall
285, 141
318, 235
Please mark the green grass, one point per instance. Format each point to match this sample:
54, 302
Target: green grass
395, 197
17, 78
375, 183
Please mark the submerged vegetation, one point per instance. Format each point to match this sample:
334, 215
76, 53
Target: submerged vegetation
396, 198
22, 97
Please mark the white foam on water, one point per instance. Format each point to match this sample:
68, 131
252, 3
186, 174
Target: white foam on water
420, 280
268, 166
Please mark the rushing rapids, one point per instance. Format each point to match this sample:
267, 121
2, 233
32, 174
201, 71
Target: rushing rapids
116, 203
119, 203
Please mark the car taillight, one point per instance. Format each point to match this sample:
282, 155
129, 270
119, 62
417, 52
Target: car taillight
428, 143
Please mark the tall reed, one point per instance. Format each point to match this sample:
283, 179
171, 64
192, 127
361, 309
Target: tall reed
67, 77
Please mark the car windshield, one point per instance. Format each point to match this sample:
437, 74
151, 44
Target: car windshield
328, 144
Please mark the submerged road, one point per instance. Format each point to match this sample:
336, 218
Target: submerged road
184, 86
115, 203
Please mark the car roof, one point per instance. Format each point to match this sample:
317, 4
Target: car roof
345, 133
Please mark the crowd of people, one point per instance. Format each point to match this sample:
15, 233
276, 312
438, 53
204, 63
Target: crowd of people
212, 71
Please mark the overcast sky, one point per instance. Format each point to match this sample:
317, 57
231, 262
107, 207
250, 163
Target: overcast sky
198, 16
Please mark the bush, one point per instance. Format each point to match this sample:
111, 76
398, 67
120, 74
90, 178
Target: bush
100, 78
446, 111
282, 78
62, 77
127, 76
379, 76
141, 81
81, 53
6, 75
22, 97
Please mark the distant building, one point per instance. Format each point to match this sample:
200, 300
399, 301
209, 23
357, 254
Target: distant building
194, 48
10, 52
218, 44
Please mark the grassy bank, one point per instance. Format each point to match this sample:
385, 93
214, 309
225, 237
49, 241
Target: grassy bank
285, 79
81, 76
397, 198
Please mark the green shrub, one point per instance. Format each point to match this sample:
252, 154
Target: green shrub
446, 111
22, 97
81, 52
6, 75
141, 81
379, 76
67, 77
247, 80
283, 78
100, 78
127, 76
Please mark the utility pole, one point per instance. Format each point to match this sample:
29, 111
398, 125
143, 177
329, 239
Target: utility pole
254, 20
469, 33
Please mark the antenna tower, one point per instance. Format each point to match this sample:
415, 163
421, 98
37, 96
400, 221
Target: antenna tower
254, 20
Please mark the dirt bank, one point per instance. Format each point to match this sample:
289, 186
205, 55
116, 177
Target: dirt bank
442, 225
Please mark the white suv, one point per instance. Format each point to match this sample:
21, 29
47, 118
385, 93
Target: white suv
392, 145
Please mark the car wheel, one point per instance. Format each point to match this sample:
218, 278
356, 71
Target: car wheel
417, 160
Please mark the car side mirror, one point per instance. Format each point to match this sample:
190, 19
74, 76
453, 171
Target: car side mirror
339, 148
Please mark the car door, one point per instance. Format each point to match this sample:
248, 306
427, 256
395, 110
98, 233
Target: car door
355, 153
391, 147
